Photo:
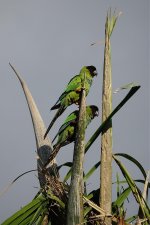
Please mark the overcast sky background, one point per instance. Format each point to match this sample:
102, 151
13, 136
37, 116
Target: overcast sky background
48, 42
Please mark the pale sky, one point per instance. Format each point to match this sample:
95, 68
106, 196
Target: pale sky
48, 42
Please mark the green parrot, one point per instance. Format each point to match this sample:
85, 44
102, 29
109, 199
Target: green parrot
67, 131
71, 94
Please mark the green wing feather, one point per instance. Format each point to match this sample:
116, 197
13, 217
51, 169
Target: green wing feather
73, 84
66, 130
71, 119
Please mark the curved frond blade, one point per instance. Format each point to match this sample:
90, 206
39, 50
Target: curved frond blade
132, 91
26, 212
129, 157
91, 171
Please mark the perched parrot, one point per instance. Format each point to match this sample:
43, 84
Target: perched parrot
67, 131
71, 94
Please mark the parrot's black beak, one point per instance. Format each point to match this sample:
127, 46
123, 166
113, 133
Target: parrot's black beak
95, 73
97, 113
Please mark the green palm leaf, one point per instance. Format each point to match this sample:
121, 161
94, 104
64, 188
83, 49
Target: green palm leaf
67, 164
40, 211
129, 157
26, 213
91, 171
132, 91
136, 192
122, 197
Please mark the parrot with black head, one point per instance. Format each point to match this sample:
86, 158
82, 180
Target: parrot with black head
71, 94
67, 131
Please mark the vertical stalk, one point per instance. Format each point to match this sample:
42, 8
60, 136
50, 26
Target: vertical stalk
106, 139
75, 201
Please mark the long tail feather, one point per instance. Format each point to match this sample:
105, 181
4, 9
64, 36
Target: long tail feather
58, 113
53, 154
54, 138
56, 106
